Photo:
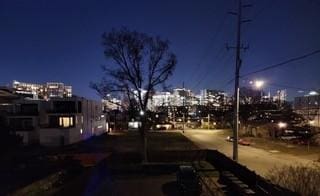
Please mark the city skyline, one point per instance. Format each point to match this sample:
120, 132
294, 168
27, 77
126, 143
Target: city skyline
64, 44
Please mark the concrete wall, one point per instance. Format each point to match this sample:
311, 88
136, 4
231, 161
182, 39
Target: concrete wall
59, 136
54, 137
28, 136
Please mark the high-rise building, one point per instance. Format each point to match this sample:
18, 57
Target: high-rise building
281, 96
309, 107
42, 91
28, 89
212, 97
111, 104
162, 99
58, 89
250, 95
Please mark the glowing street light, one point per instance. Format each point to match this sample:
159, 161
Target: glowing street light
313, 93
258, 83
282, 125
141, 112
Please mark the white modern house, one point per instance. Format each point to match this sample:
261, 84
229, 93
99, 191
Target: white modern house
58, 121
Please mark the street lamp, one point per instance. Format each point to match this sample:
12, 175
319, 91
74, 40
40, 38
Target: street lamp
313, 93
259, 84
141, 112
311, 122
282, 125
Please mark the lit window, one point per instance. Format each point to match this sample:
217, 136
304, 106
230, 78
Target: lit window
65, 122
71, 121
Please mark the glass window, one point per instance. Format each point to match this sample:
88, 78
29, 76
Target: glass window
66, 122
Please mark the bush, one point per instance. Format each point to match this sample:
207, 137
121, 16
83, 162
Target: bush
302, 179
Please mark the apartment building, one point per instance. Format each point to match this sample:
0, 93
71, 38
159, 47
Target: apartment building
42, 91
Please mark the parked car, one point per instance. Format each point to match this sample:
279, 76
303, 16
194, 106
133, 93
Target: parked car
244, 142
240, 141
229, 139
188, 181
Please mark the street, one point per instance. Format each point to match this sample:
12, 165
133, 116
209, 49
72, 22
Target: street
259, 160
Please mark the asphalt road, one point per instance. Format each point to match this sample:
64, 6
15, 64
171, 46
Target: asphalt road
259, 160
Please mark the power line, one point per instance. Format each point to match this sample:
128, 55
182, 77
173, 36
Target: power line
282, 63
315, 1
273, 84
259, 12
225, 66
208, 49
288, 86
205, 75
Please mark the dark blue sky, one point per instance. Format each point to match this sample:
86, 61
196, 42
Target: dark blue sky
60, 40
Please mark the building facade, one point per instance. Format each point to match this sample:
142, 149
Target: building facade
214, 98
309, 107
54, 122
42, 91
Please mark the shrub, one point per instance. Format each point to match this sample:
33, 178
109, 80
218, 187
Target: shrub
302, 179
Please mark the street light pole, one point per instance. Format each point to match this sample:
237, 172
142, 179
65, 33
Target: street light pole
208, 121
318, 109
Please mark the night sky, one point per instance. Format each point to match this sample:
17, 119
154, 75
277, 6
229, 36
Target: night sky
60, 40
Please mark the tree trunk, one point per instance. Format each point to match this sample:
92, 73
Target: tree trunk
144, 138
145, 148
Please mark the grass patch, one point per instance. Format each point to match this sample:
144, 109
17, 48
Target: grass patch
166, 141
132, 142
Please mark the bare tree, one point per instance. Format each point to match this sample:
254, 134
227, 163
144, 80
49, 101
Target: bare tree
139, 63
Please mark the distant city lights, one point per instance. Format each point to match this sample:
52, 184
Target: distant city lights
311, 122
313, 93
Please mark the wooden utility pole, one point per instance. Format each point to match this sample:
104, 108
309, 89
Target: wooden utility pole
238, 62
236, 86
183, 107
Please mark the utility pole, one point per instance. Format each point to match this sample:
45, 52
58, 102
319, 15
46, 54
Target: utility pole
318, 103
183, 108
279, 98
308, 107
208, 121
238, 48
